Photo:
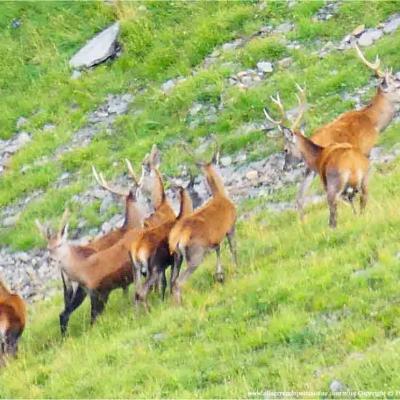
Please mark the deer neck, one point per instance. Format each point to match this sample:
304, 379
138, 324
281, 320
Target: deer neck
4, 291
309, 150
381, 111
215, 182
133, 216
158, 194
186, 206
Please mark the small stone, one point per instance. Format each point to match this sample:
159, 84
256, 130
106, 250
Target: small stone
76, 74
368, 37
359, 30
48, 127
284, 28
159, 337
168, 85
21, 122
10, 221
264, 66
252, 175
195, 109
392, 25
15, 23
285, 62
226, 161
337, 386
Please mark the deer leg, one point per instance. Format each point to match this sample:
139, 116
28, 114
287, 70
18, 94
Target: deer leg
232, 245
193, 256
364, 194
219, 272
304, 186
162, 282
142, 292
176, 268
333, 191
74, 302
98, 302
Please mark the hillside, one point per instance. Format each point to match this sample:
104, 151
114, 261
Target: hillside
309, 309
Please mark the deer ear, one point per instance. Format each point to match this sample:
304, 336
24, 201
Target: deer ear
64, 232
155, 156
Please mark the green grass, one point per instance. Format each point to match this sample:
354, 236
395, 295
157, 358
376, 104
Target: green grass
307, 305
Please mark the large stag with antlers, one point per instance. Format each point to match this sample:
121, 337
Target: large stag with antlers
203, 230
360, 128
343, 168
12, 321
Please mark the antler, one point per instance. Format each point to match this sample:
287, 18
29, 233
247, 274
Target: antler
63, 220
103, 183
374, 66
131, 171
276, 100
217, 152
301, 98
43, 229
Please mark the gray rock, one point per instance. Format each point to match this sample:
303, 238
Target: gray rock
159, 337
285, 62
21, 122
48, 127
265, 66
10, 221
16, 23
226, 161
368, 37
103, 46
76, 74
284, 28
392, 25
337, 386
195, 109
168, 85
252, 175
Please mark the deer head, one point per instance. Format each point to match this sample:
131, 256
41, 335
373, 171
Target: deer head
56, 242
292, 154
389, 84
148, 179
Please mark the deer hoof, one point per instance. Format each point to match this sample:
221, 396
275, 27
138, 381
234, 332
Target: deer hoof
219, 277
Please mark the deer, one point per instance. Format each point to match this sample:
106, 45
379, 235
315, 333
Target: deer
342, 167
150, 251
91, 272
12, 322
360, 128
116, 267
203, 230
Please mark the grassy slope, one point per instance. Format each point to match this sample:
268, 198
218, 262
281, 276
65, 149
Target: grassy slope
294, 316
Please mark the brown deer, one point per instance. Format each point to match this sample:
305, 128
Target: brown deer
342, 167
203, 230
150, 252
88, 271
12, 322
360, 128
115, 270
